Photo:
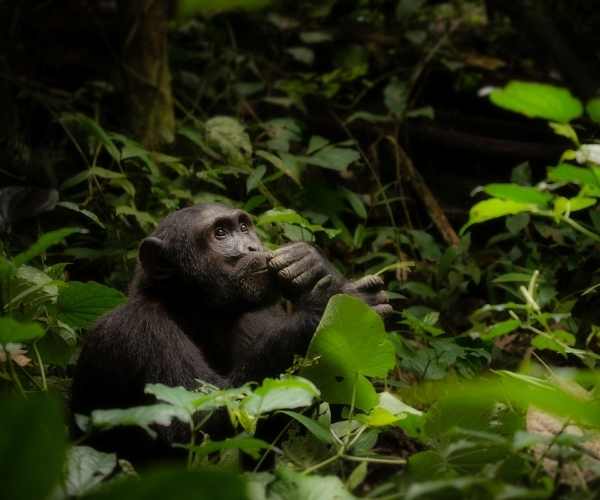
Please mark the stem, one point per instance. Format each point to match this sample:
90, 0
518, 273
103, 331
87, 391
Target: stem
41, 365
325, 462
580, 228
375, 460
13, 372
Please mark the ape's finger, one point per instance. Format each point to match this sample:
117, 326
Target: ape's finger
308, 277
323, 284
284, 256
290, 272
370, 282
383, 309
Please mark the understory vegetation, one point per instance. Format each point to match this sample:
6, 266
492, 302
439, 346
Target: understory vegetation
437, 144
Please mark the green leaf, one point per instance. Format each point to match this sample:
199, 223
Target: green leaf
355, 202
292, 485
94, 129
565, 130
492, 209
289, 168
86, 469
176, 396
317, 429
277, 394
175, 484
31, 428
349, 329
229, 136
538, 100
13, 331
75, 208
588, 177
80, 304
44, 242
521, 194
255, 177
332, 157
556, 340
593, 109
564, 205
395, 96
141, 416
501, 328
289, 216
249, 445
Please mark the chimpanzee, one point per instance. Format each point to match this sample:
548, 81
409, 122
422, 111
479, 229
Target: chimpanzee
206, 304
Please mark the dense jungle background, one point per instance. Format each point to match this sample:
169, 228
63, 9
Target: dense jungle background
448, 146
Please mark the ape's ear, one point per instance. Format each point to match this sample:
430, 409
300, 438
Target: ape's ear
153, 257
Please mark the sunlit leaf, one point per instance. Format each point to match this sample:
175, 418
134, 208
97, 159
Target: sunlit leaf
349, 329
538, 100
276, 394
12, 330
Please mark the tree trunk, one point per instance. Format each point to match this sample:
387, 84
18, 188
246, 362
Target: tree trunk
149, 100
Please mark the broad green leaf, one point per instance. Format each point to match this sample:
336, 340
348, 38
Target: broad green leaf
86, 469
538, 100
80, 304
521, 194
141, 416
501, 328
349, 329
277, 394
44, 242
317, 429
32, 428
249, 445
492, 209
556, 341
13, 331
593, 109
175, 484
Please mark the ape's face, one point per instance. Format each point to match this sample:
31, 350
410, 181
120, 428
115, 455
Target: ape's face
213, 251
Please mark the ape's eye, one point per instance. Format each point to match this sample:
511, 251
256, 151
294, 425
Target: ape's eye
244, 227
220, 232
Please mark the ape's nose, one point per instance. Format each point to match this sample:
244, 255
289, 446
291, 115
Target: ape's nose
253, 247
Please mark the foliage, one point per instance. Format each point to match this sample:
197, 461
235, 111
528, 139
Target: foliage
301, 114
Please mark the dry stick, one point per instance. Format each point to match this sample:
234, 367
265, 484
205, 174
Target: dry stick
431, 204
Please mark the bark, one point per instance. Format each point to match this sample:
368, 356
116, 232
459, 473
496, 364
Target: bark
149, 99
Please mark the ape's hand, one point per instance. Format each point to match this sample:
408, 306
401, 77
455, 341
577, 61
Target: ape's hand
370, 290
304, 273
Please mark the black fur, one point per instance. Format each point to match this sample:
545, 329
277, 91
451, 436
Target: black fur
205, 303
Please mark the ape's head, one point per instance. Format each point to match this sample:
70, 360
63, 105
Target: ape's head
211, 251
